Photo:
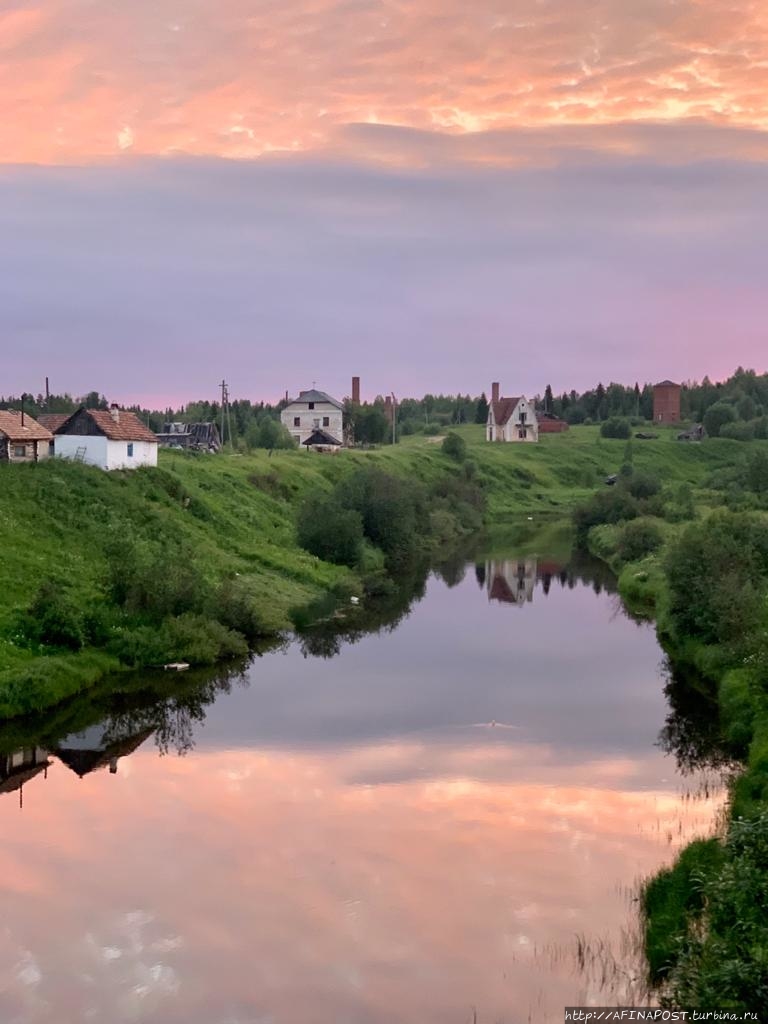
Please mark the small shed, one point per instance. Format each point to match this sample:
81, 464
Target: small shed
23, 439
321, 441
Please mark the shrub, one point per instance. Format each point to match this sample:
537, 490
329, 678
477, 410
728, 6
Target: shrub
717, 416
455, 447
52, 619
330, 531
738, 431
614, 506
757, 471
643, 485
616, 427
638, 539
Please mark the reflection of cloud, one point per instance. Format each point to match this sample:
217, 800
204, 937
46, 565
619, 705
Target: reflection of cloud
241, 79
270, 884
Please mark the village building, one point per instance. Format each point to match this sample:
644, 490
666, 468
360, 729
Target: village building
23, 439
197, 437
666, 402
511, 419
97, 747
551, 424
113, 439
511, 581
314, 411
21, 766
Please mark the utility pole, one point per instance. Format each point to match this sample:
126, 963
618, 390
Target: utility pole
394, 418
47, 396
223, 407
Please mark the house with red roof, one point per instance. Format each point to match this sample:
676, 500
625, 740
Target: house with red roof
22, 439
511, 419
109, 439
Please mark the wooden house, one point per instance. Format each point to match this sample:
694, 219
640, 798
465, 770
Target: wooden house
23, 439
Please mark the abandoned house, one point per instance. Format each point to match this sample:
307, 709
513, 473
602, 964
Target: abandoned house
113, 439
23, 439
511, 419
314, 411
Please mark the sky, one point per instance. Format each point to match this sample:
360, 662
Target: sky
429, 195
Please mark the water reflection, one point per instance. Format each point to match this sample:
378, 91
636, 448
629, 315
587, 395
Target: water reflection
447, 816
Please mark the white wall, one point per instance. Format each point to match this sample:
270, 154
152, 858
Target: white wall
311, 419
106, 454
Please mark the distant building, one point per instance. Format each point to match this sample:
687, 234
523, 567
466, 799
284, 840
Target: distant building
21, 766
23, 439
666, 402
511, 581
199, 437
311, 411
110, 440
551, 424
511, 419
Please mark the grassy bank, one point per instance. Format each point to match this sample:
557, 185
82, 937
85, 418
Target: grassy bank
698, 564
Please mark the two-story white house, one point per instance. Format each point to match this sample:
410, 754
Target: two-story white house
511, 419
314, 413
110, 440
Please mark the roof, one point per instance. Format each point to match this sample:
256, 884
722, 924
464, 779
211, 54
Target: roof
84, 761
52, 420
319, 436
127, 428
667, 384
503, 409
31, 430
315, 396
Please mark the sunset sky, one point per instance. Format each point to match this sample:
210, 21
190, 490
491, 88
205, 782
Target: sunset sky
432, 195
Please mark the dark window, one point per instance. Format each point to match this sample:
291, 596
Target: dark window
20, 451
297, 421
326, 421
130, 449
311, 405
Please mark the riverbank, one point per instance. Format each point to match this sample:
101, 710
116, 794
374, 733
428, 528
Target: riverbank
698, 565
228, 525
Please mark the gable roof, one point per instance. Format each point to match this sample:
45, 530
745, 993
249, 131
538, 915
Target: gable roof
503, 409
315, 396
31, 430
52, 420
667, 384
128, 427
319, 436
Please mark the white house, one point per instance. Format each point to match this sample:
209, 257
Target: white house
511, 419
314, 411
110, 440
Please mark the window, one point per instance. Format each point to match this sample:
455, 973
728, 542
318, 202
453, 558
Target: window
316, 423
311, 405
297, 421
130, 449
326, 421
521, 433
19, 451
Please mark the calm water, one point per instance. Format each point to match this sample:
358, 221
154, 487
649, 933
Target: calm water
447, 817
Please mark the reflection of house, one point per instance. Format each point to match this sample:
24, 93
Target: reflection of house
511, 581
199, 437
94, 748
110, 440
21, 766
314, 411
511, 419
22, 439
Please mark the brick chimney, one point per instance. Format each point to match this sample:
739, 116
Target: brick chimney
495, 391
356, 390
114, 412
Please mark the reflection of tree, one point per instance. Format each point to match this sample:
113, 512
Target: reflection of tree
324, 636
693, 731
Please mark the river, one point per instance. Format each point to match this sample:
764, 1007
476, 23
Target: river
442, 820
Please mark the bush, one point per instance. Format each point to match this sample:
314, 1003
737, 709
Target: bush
52, 619
716, 417
616, 427
757, 471
738, 431
455, 447
330, 531
639, 538
614, 506
643, 485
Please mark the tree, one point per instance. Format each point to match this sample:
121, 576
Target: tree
548, 398
481, 416
455, 447
717, 416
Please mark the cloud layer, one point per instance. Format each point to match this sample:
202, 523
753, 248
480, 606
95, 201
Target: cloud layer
81, 79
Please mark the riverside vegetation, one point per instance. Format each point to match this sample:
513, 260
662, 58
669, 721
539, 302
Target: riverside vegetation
697, 561
199, 558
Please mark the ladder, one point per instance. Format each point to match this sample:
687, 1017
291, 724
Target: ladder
80, 455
